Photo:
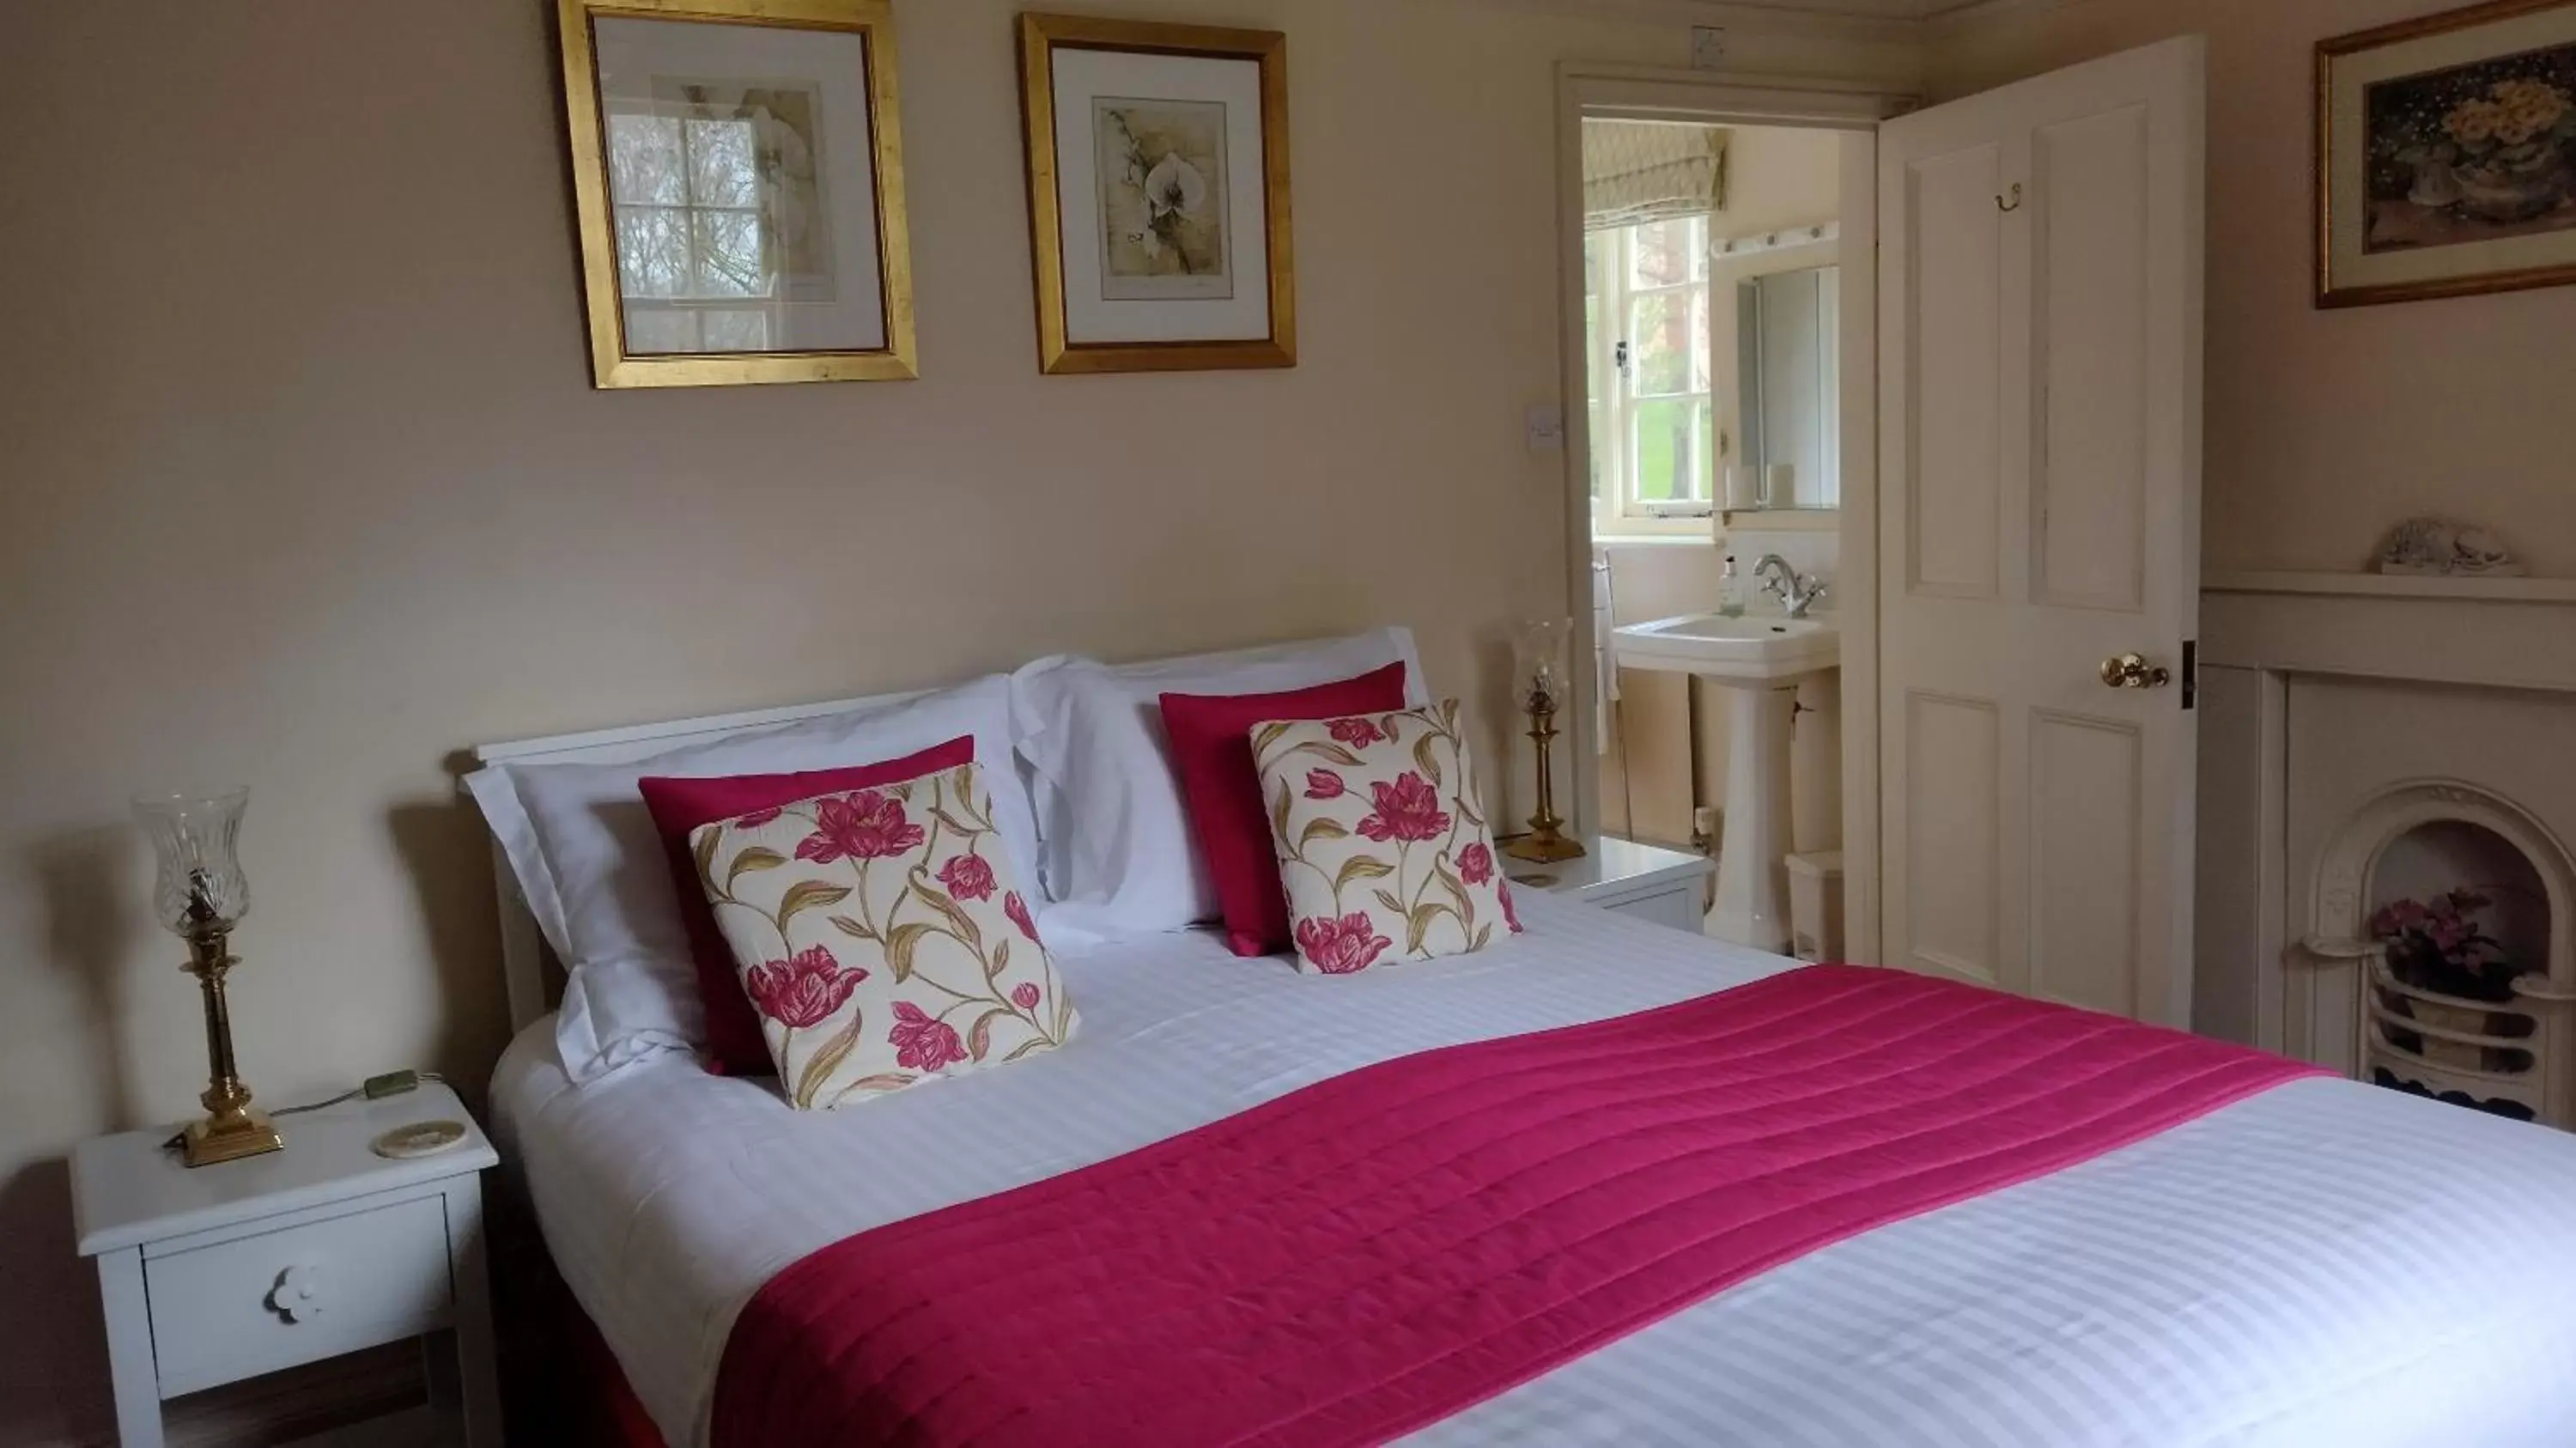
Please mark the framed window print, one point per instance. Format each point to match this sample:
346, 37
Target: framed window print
738, 181
1158, 195
2446, 155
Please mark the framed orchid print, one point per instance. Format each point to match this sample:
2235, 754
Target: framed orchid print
2446, 155
1158, 195
738, 182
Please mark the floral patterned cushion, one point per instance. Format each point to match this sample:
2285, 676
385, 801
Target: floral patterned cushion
881, 937
1383, 849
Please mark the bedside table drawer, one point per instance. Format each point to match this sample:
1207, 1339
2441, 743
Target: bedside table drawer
312, 1290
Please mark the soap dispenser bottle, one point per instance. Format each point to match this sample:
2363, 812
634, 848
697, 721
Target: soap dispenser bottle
1730, 591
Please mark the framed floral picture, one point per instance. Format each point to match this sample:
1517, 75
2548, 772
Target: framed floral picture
2446, 155
738, 182
1158, 195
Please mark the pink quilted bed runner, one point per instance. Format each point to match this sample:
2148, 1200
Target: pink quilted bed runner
1375, 1252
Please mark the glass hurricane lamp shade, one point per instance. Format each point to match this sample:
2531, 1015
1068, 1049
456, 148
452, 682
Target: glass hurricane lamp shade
1542, 681
195, 841
1539, 662
198, 894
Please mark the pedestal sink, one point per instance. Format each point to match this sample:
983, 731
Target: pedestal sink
1760, 659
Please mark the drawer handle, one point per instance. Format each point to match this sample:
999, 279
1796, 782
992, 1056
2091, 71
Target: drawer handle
297, 1297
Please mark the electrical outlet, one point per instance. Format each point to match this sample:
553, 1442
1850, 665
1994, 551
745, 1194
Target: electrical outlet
1708, 47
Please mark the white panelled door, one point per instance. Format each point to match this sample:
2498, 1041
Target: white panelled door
2040, 280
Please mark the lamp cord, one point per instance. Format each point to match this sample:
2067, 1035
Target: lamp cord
392, 1083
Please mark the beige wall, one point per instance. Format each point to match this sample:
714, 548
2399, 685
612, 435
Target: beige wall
2324, 428
303, 485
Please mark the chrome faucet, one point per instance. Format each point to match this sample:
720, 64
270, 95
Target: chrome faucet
1796, 591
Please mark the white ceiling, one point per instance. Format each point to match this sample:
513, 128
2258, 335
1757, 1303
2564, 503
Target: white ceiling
1885, 18
1868, 9
1907, 9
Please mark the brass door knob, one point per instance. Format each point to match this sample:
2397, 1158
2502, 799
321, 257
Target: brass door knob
2132, 671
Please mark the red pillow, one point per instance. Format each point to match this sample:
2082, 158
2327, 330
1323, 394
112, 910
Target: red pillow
1212, 748
734, 1043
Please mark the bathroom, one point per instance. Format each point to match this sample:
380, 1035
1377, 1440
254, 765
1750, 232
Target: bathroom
1713, 344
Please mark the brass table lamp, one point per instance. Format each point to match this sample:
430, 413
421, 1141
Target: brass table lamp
200, 894
1538, 651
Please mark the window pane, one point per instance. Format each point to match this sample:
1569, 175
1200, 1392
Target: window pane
1699, 248
723, 167
1663, 253
1663, 450
736, 331
732, 260
657, 329
644, 160
652, 251
1701, 355
1660, 331
1596, 265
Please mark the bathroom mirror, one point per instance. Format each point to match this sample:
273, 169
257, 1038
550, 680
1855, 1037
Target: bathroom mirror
1789, 395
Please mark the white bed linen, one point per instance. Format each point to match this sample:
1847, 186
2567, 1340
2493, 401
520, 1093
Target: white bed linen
2326, 1264
1122, 857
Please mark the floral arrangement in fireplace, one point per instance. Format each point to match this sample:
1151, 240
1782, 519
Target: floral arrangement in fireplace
2438, 945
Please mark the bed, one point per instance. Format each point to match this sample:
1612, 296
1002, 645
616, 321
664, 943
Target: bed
2321, 1263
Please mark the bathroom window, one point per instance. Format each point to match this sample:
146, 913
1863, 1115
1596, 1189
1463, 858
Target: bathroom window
1654, 432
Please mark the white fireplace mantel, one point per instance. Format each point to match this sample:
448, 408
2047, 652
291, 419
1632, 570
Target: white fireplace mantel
2396, 585
2326, 698
2517, 633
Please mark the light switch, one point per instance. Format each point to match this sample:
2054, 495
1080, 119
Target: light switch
1708, 47
1545, 427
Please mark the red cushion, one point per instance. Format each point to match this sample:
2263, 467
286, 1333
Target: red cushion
1212, 749
734, 1043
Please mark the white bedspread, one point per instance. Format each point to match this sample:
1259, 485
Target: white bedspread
2326, 1264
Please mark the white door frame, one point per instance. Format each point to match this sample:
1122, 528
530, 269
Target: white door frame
1628, 92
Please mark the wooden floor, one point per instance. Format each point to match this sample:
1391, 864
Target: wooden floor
379, 1396
421, 1427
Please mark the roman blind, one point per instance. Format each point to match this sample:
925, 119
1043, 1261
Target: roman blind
1639, 171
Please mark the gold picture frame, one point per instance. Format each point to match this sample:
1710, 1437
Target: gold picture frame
1129, 299
831, 302
2446, 155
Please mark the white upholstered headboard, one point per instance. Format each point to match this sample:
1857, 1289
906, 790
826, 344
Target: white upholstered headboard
523, 947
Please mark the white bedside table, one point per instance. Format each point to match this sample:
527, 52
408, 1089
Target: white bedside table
228, 1271
1648, 882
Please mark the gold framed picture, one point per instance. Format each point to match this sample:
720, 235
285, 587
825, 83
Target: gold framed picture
2446, 155
738, 181
1158, 195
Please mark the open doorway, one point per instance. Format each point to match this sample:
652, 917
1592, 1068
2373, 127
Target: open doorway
1719, 368
2014, 592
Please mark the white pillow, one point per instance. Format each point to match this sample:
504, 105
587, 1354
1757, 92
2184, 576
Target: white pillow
1119, 858
583, 847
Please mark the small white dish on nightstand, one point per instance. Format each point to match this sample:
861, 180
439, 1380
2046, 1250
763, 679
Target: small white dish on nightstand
421, 1138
